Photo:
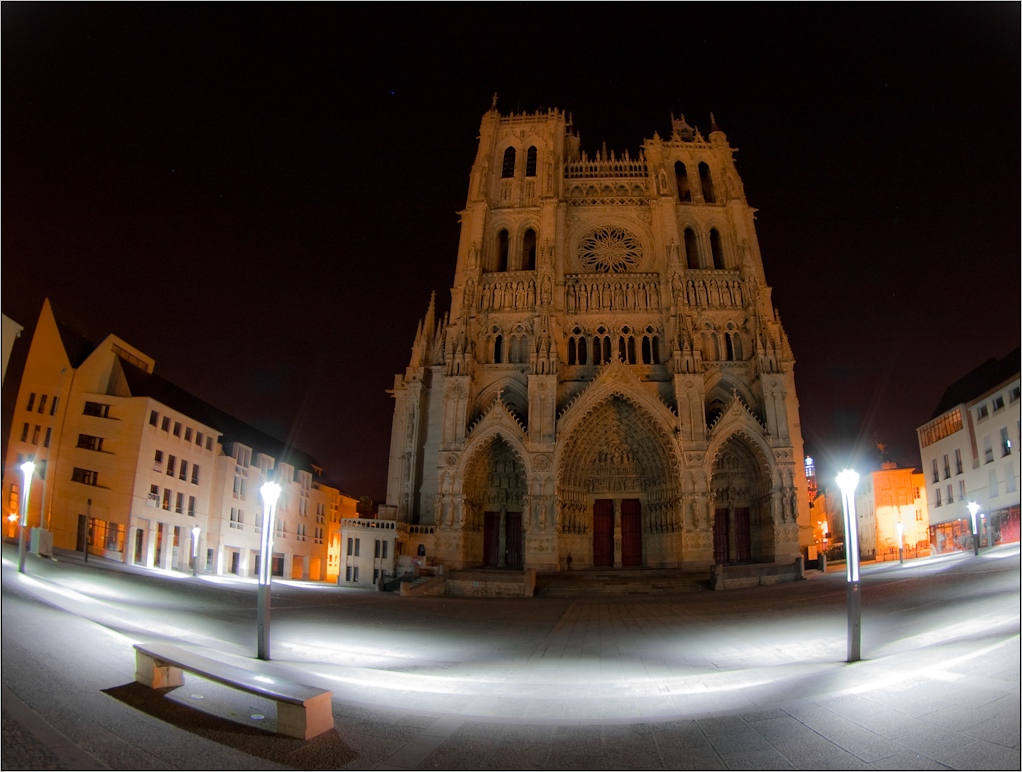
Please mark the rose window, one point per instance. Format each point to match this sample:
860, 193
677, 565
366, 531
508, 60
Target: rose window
609, 250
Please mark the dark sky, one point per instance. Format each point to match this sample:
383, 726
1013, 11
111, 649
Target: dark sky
262, 197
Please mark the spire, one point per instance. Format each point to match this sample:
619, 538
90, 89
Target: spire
493, 104
429, 326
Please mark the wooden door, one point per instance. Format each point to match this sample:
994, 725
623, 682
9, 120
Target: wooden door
603, 532
720, 536
513, 539
491, 538
631, 532
743, 540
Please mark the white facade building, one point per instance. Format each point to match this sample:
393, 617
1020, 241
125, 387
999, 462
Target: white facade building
970, 453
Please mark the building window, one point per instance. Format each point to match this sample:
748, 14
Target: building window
947, 467
154, 496
42, 403
1014, 394
35, 434
950, 494
188, 434
319, 535
183, 474
961, 490
191, 506
46, 439
982, 411
209, 443
919, 515
530, 162
84, 476
503, 250
166, 499
165, 424
681, 178
89, 442
31, 402
300, 532
239, 487
958, 461
376, 549
354, 574
154, 418
179, 504
988, 450
237, 519
24, 433
384, 550
357, 543
97, 409
351, 546
195, 474
347, 573
507, 168
198, 439
376, 575
171, 461
691, 250
53, 405
998, 403
177, 428
1005, 442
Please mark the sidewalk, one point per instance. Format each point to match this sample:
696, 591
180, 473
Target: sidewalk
711, 682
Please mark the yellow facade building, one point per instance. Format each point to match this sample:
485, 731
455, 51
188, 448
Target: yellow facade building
141, 471
884, 499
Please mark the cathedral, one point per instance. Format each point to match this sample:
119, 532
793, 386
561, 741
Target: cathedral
612, 386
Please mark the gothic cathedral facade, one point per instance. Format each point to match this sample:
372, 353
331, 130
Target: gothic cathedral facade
612, 386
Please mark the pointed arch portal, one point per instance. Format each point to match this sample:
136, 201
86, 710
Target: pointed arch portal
494, 488
740, 489
617, 467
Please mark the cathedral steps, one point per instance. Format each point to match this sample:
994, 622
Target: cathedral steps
573, 584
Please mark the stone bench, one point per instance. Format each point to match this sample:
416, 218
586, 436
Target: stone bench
302, 711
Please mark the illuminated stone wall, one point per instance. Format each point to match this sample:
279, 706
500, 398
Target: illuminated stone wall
611, 347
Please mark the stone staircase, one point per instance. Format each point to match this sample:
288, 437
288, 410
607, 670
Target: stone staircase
622, 582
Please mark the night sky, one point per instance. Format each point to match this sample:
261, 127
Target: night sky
263, 197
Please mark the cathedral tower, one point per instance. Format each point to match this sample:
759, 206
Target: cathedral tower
612, 382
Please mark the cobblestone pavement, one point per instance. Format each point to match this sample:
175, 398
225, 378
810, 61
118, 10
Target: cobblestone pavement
745, 679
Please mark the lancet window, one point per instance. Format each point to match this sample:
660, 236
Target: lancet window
503, 247
707, 183
507, 169
601, 347
691, 249
529, 249
681, 176
650, 347
626, 346
715, 249
530, 162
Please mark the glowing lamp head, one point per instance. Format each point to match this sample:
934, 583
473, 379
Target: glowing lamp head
270, 492
973, 508
847, 480
27, 469
195, 532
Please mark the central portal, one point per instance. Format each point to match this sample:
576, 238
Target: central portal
604, 531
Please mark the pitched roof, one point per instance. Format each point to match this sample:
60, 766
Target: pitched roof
987, 376
143, 384
76, 345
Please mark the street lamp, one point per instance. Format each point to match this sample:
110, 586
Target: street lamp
270, 491
847, 481
26, 475
973, 508
195, 549
901, 541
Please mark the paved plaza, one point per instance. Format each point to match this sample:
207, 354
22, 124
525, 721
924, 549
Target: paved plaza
743, 679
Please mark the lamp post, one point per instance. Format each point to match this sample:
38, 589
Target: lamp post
847, 481
195, 549
26, 475
270, 491
901, 541
973, 508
